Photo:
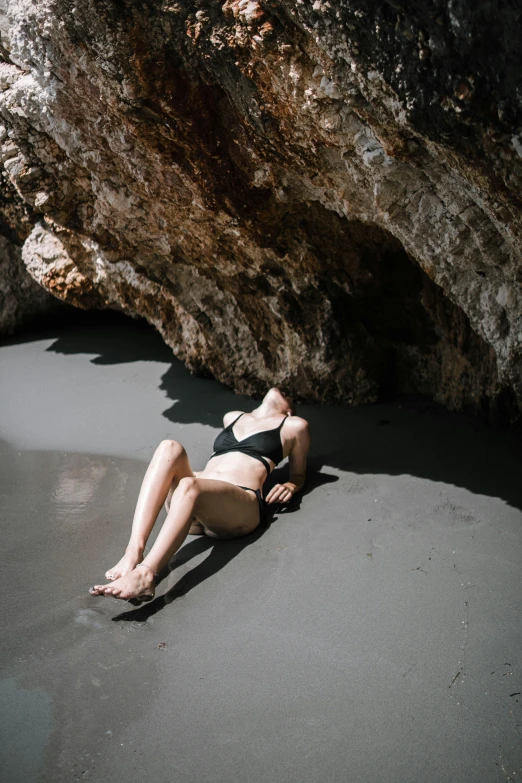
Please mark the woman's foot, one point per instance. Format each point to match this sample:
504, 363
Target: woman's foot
127, 564
138, 584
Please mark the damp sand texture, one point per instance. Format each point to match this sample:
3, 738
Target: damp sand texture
372, 632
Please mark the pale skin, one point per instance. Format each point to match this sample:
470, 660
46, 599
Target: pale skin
207, 502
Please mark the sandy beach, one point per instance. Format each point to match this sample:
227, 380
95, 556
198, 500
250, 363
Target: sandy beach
373, 632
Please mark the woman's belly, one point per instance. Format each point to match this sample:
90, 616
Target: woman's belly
236, 468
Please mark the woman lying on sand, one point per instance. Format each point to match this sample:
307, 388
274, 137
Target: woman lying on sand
222, 501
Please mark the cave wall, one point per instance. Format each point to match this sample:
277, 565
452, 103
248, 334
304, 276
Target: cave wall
23, 302
320, 195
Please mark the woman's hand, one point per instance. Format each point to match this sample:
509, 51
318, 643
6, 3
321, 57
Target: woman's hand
281, 493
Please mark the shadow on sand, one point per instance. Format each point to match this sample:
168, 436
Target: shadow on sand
412, 436
222, 553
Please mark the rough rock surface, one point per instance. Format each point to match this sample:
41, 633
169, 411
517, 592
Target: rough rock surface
324, 195
23, 303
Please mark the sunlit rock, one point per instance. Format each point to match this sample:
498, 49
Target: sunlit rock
321, 195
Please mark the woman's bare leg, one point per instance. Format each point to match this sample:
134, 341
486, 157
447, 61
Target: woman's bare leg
226, 510
168, 465
196, 528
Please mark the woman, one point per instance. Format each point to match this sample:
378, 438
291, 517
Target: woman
222, 501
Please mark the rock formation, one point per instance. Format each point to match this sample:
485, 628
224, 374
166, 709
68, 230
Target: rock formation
323, 195
23, 303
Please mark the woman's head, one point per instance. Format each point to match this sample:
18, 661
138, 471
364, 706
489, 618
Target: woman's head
276, 399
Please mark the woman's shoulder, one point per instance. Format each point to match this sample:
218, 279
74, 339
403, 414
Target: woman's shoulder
229, 417
297, 424
298, 436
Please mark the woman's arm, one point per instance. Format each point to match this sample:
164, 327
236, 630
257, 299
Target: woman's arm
281, 493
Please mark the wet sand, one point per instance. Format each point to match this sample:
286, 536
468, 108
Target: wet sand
373, 632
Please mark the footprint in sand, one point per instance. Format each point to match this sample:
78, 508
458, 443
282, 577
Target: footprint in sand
456, 517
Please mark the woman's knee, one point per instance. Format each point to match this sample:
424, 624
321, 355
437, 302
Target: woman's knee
188, 486
170, 449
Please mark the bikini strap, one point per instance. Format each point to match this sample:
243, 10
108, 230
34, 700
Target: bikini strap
233, 422
281, 425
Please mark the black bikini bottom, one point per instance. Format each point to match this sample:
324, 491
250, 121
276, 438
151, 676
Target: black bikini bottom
263, 511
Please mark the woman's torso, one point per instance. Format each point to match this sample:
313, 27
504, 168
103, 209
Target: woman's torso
243, 468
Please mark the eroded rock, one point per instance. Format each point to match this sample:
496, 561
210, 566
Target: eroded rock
320, 195
23, 303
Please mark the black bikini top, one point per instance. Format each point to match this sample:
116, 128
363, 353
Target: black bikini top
259, 445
